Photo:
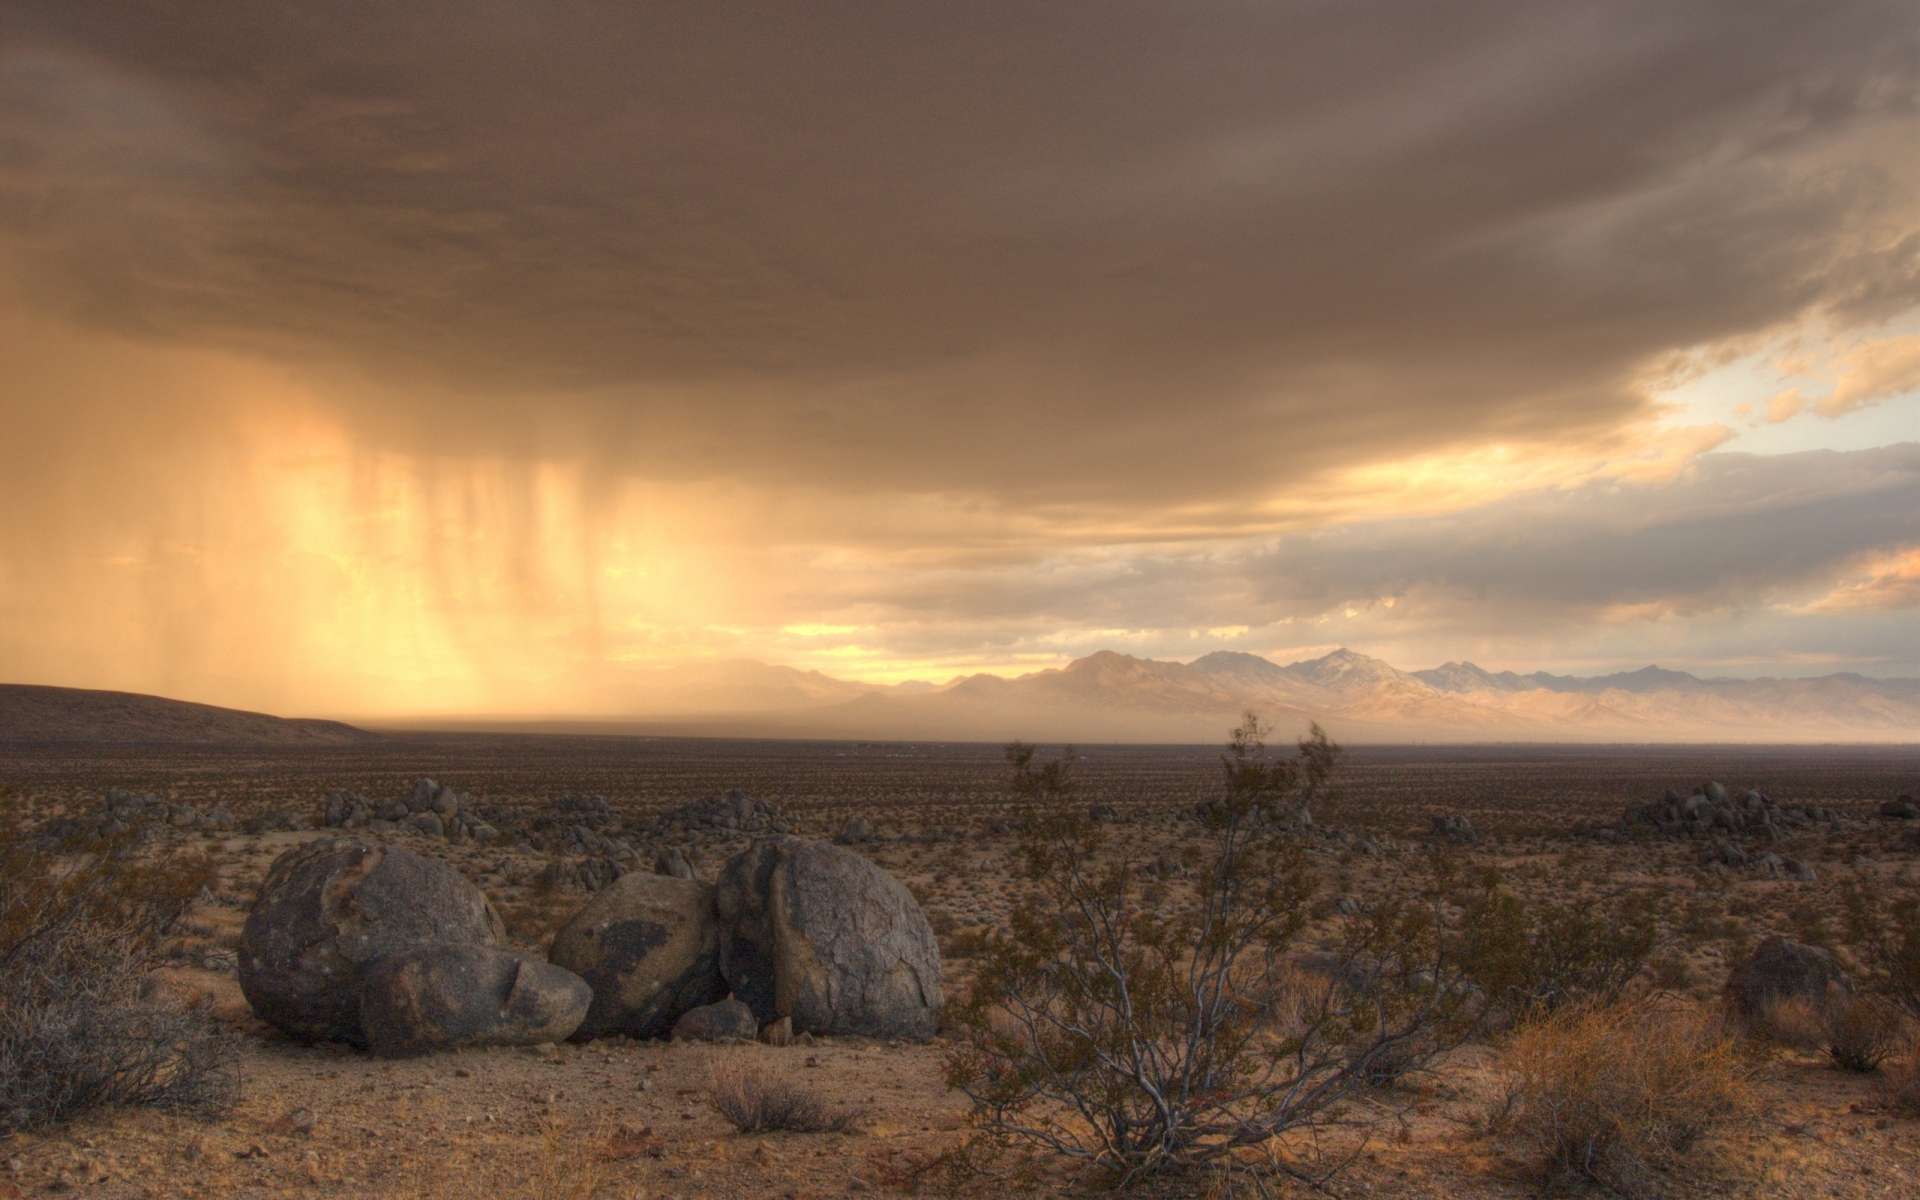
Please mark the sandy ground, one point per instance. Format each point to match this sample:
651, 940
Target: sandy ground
631, 1120
616, 1120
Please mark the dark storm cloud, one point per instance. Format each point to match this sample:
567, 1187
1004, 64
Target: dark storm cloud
1123, 253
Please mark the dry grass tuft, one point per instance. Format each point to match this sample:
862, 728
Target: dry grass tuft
566, 1168
1858, 1033
757, 1099
1899, 1089
80, 1025
1621, 1095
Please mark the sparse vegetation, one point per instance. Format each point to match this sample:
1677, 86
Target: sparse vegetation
1621, 1094
1117, 1029
1858, 1033
755, 1098
1881, 921
1534, 957
79, 1026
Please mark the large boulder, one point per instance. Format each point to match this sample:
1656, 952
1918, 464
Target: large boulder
819, 934
442, 997
331, 907
649, 945
1779, 970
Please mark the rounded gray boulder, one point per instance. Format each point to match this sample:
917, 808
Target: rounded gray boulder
328, 909
1779, 970
819, 934
649, 946
442, 997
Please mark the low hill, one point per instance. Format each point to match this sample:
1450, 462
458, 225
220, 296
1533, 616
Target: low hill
30, 713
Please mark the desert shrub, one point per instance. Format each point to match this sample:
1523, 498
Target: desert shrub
1857, 1032
1108, 1026
1899, 1087
1539, 957
1881, 926
80, 1026
1621, 1094
755, 1099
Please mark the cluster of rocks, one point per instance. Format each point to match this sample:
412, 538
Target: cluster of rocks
1901, 808
1710, 812
382, 948
735, 812
120, 812
1456, 829
794, 930
583, 875
1725, 857
375, 946
431, 810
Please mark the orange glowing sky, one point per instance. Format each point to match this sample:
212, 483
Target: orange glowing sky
474, 359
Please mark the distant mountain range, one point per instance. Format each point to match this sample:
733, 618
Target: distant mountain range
30, 713
1115, 697
1105, 697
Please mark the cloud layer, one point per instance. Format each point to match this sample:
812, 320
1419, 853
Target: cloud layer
489, 346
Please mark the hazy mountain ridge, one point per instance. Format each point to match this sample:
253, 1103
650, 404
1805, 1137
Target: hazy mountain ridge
1109, 696
1104, 697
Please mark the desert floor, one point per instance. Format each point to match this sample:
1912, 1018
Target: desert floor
615, 1118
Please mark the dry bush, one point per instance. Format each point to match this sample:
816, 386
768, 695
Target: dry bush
1857, 1032
754, 1098
1537, 957
80, 1025
1108, 1029
1621, 1094
1881, 924
1899, 1088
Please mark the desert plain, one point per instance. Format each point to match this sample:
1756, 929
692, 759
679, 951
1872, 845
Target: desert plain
633, 1119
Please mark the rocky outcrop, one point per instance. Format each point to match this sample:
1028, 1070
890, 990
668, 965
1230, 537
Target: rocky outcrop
1708, 811
814, 932
329, 909
443, 997
649, 946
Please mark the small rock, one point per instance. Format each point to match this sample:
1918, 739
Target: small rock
716, 1022
295, 1123
778, 1033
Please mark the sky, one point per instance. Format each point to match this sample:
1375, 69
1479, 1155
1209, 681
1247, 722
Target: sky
373, 359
